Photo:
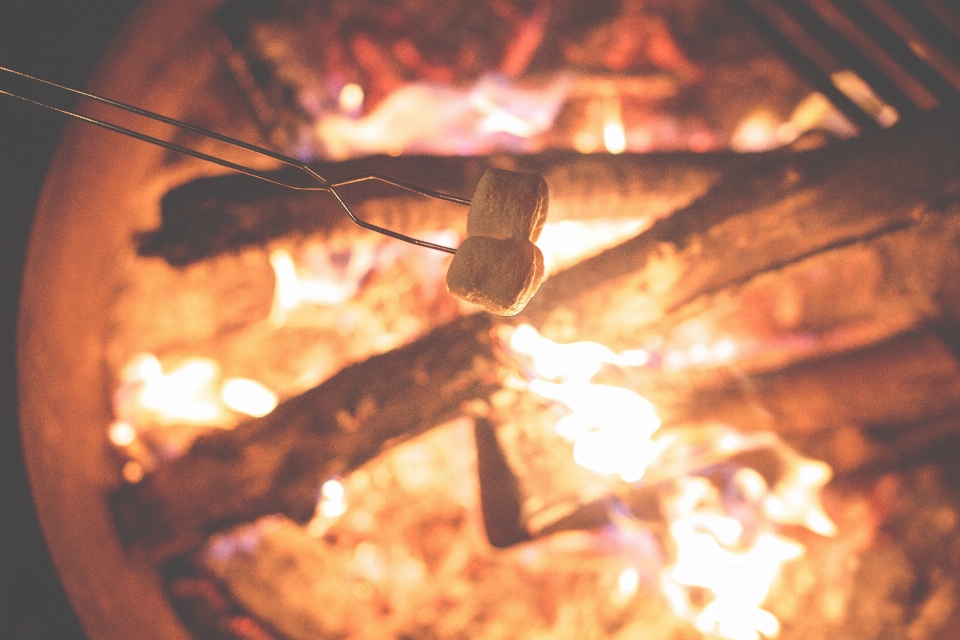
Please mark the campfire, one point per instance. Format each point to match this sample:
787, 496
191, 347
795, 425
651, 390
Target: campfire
729, 413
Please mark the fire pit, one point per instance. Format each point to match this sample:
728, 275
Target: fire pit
245, 416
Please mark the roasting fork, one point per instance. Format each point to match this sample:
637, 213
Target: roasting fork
318, 182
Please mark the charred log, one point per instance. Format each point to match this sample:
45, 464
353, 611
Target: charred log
210, 216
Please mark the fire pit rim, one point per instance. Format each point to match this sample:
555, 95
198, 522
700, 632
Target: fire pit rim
83, 218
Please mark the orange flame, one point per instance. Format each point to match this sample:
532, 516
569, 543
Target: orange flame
444, 120
319, 281
609, 426
567, 242
723, 532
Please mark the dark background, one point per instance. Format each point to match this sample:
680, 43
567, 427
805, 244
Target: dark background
58, 40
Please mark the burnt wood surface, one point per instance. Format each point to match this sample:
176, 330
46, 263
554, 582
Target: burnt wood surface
209, 216
825, 210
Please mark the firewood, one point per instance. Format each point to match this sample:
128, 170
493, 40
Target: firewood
529, 481
836, 301
754, 221
908, 379
275, 463
210, 216
746, 226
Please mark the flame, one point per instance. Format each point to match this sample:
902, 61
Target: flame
444, 120
726, 530
567, 242
191, 393
248, 397
186, 394
759, 131
614, 135
715, 551
609, 426
723, 526
319, 281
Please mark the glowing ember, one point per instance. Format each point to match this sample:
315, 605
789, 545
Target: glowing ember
856, 88
121, 433
723, 517
351, 98
319, 281
132, 471
332, 503
628, 582
248, 396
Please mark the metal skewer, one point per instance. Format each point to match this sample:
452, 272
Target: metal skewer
320, 183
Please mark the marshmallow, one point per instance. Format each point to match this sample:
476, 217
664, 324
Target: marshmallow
508, 204
499, 274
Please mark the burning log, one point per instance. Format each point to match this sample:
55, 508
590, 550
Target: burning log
275, 464
210, 216
893, 283
753, 222
894, 387
817, 207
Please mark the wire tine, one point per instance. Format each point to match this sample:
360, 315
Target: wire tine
168, 145
403, 185
322, 183
166, 120
385, 231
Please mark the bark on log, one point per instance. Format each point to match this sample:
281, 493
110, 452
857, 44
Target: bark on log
274, 464
210, 216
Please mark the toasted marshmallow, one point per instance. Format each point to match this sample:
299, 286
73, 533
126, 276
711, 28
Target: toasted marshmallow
498, 274
508, 204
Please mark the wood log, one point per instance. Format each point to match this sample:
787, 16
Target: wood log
753, 222
274, 464
833, 302
210, 216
